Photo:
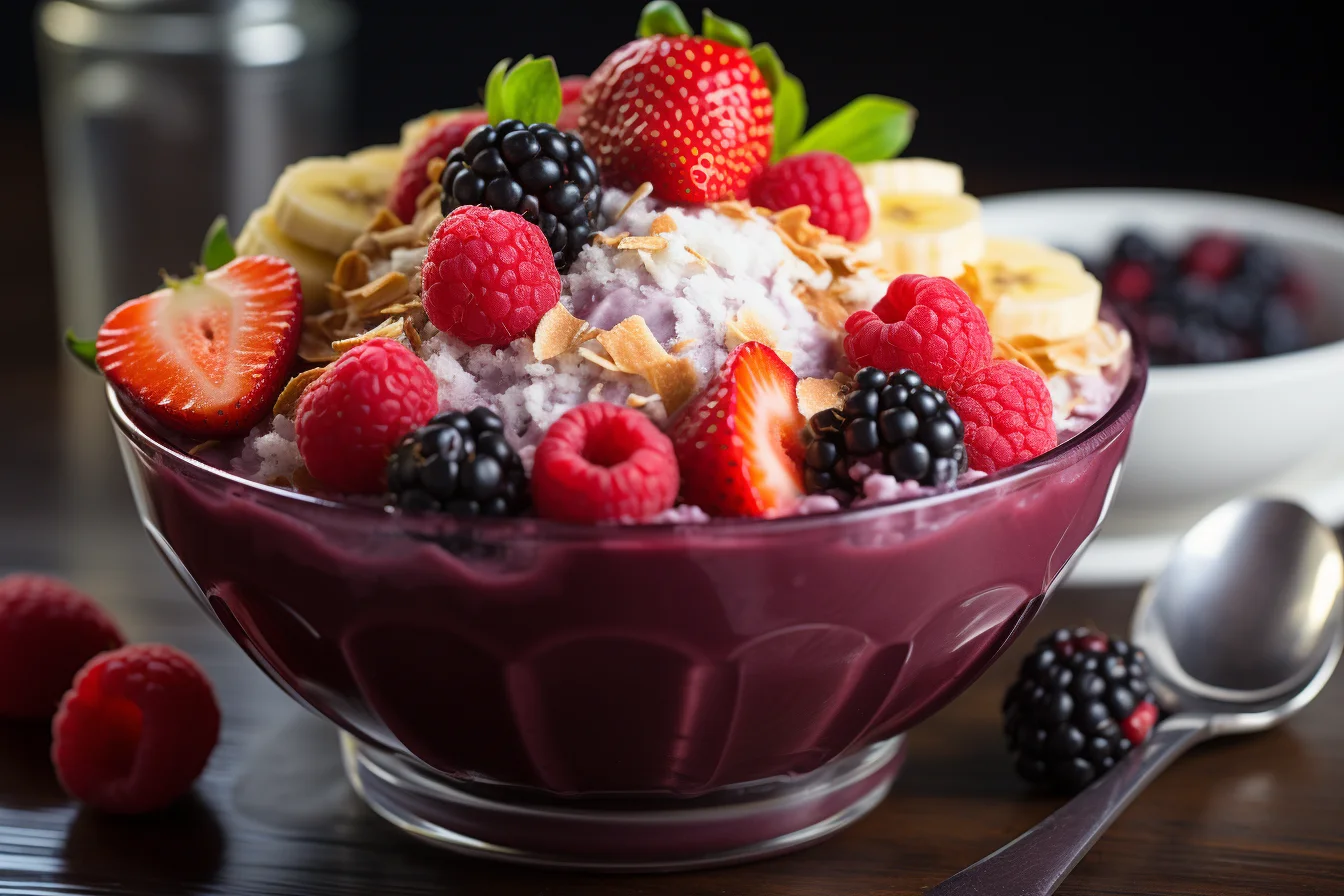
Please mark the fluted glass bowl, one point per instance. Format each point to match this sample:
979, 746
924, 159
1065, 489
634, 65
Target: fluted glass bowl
638, 697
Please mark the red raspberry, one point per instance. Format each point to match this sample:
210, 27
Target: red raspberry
1213, 256
1009, 416
604, 462
441, 139
135, 729
489, 276
926, 324
824, 182
353, 415
47, 631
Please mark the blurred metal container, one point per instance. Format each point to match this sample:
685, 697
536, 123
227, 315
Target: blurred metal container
161, 114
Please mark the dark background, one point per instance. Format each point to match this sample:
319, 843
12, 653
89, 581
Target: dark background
1244, 99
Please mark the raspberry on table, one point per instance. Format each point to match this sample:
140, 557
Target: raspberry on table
601, 462
824, 182
48, 629
1080, 704
488, 276
925, 324
353, 415
135, 729
1008, 414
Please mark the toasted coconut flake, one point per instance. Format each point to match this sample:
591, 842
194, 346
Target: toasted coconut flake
807, 256
430, 195
662, 224
589, 355
1006, 351
747, 326
416, 285
352, 271
401, 308
641, 192
969, 281
391, 329
402, 237
434, 169
601, 239
735, 209
411, 334
640, 401
391, 287
794, 221
384, 220
559, 331
632, 345
595, 393
826, 305
644, 243
369, 246
304, 481
202, 446
816, 395
680, 346
315, 349
288, 400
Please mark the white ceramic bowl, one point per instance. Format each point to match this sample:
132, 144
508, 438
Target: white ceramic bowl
1208, 432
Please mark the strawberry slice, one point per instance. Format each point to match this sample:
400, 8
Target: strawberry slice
442, 138
207, 355
738, 443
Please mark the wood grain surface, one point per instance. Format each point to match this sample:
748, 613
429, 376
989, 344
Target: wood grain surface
273, 814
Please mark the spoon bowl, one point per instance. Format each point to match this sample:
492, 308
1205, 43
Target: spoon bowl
1246, 615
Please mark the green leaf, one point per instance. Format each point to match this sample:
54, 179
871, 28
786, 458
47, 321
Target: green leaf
84, 350
494, 92
790, 115
532, 91
768, 61
724, 31
870, 128
217, 250
662, 17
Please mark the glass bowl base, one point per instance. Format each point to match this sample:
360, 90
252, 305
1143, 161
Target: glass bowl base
622, 834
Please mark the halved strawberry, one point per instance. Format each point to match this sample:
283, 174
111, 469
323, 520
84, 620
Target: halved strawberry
738, 443
207, 355
443, 137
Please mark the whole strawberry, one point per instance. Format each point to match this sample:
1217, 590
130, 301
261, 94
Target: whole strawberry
690, 115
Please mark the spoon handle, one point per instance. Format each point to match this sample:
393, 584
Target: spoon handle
1036, 863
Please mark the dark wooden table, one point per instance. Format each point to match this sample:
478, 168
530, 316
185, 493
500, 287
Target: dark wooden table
274, 815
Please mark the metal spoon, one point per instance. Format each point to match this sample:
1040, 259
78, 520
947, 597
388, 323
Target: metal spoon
1243, 628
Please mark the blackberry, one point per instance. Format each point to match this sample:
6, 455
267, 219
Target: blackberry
459, 464
1080, 703
541, 173
892, 423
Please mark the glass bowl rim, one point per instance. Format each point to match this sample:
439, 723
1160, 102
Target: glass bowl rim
1097, 434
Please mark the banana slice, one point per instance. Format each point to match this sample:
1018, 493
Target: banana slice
325, 202
911, 176
924, 233
385, 158
262, 236
1030, 289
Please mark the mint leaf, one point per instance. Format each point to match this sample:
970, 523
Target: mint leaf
494, 92
662, 17
768, 61
532, 91
217, 250
790, 115
84, 350
725, 32
870, 128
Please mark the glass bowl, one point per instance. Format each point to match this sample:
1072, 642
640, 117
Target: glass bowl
625, 698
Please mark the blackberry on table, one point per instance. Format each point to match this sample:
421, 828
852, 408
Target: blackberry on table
893, 423
538, 171
459, 464
1080, 703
